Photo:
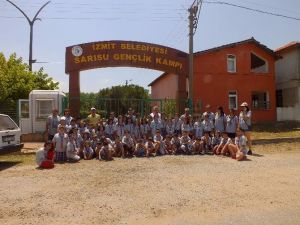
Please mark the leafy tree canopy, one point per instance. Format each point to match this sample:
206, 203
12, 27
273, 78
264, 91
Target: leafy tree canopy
117, 99
16, 81
124, 92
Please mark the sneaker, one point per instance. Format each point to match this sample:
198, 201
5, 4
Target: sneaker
249, 152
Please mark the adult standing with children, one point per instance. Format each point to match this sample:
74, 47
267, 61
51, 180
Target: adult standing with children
52, 124
245, 123
186, 114
155, 112
93, 119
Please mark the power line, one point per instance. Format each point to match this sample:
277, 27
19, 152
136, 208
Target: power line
271, 7
96, 18
163, 13
251, 9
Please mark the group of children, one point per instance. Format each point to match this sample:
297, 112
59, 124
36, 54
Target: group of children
154, 135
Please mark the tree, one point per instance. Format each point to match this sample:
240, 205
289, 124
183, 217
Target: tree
124, 92
87, 100
16, 81
120, 98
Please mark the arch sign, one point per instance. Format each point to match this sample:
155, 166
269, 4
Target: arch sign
122, 54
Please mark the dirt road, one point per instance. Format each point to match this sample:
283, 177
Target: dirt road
162, 190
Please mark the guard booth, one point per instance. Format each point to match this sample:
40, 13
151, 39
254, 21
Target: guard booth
34, 111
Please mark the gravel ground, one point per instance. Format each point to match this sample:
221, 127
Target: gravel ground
161, 190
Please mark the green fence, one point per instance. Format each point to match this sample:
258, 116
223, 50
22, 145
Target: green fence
141, 106
13, 113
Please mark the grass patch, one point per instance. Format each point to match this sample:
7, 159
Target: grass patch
272, 135
276, 130
277, 127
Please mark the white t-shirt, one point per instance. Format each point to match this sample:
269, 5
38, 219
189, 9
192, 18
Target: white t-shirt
185, 140
241, 142
40, 156
245, 120
60, 142
71, 149
128, 141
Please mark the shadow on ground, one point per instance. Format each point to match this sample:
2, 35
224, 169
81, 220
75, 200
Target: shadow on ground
257, 155
7, 164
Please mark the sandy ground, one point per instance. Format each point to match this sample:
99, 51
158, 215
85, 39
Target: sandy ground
162, 190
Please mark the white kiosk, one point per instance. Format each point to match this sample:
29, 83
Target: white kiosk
34, 111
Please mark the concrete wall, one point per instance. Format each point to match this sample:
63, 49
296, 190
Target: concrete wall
288, 80
166, 87
287, 68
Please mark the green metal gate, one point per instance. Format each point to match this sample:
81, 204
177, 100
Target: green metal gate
140, 106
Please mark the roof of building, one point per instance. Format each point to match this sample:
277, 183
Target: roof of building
288, 46
250, 40
157, 79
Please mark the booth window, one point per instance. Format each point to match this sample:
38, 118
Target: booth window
260, 100
231, 63
258, 64
233, 100
43, 108
24, 108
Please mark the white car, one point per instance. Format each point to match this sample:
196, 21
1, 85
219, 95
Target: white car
10, 134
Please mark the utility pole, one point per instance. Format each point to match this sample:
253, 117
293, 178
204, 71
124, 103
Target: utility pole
194, 12
31, 23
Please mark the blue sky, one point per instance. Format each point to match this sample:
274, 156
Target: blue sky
164, 22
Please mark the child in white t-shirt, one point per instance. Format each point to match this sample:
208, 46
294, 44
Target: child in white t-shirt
45, 156
185, 143
128, 144
223, 146
198, 128
60, 141
239, 149
72, 149
158, 143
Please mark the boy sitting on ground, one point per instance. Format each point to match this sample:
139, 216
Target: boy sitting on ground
140, 149
105, 152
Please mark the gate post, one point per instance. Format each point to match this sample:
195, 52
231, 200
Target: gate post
74, 93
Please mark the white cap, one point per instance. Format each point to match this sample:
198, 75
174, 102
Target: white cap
86, 131
244, 104
62, 118
93, 108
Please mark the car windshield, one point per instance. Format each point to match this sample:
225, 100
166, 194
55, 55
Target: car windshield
7, 123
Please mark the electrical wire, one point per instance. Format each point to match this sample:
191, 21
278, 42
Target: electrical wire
162, 12
252, 9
